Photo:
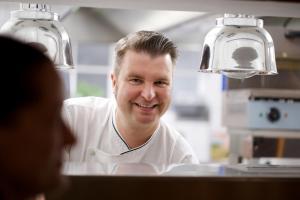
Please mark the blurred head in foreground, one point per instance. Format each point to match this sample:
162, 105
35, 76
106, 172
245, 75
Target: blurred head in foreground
32, 132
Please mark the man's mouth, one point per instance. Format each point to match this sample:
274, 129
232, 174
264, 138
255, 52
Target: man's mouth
146, 106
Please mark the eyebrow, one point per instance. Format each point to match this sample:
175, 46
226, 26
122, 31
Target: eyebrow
141, 77
135, 76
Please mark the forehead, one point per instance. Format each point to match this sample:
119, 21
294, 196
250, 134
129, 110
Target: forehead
146, 63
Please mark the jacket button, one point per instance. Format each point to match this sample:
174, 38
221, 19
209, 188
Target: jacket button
92, 153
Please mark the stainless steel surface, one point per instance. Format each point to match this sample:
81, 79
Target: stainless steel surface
194, 170
37, 25
206, 181
262, 123
203, 181
238, 47
261, 109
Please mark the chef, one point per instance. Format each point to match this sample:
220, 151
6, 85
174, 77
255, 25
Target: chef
128, 128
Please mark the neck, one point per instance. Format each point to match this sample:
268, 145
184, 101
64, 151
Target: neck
134, 135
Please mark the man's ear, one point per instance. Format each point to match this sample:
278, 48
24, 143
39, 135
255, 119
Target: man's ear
113, 78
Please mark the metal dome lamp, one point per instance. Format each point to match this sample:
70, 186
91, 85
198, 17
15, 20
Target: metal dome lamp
238, 47
37, 25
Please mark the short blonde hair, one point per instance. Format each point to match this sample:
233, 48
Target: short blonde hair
150, 42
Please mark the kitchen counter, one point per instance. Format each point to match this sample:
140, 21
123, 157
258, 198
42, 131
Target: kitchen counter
205, 181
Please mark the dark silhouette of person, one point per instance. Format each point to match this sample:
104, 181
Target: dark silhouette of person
32, 132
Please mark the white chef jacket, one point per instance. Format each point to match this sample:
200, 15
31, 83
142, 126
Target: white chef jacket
92, 119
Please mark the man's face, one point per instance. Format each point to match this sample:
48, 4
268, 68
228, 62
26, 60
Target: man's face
143, 87
31, 148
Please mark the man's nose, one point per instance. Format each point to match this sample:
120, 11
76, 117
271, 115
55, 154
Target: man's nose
148, 92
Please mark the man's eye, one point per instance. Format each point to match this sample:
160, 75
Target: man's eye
161, 83
135, 81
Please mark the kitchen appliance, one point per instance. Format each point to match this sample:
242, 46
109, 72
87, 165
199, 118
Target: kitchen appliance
238, 47
262, 123
37, 25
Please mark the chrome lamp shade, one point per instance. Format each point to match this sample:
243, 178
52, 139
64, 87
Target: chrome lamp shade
37, 25
238, 47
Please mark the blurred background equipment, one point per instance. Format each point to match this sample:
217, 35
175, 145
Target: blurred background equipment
238, 47
262, 123
37, 25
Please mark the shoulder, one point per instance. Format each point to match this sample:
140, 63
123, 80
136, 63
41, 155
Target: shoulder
87, 102
87, 107
86, 113
173, 137
170, 132
182, 152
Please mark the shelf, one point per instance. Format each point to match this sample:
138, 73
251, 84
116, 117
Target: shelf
258, 8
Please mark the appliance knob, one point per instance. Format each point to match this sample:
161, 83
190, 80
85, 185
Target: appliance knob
273, 115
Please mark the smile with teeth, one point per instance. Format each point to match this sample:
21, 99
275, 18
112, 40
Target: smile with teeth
146, 106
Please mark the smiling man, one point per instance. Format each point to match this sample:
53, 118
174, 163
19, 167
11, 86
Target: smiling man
128, 128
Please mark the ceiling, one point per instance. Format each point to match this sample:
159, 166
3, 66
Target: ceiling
282, 8
186, 28
108, 25
133, 20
